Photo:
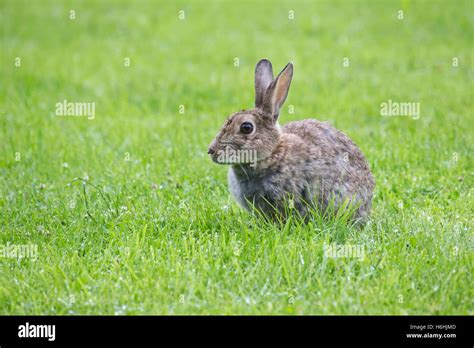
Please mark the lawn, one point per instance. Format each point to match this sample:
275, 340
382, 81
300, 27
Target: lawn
125, 210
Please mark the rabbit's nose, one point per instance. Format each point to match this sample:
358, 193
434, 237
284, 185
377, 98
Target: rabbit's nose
211, 150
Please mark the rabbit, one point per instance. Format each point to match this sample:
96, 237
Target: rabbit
307, 165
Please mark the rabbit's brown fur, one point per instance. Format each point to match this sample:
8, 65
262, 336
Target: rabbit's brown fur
309, 162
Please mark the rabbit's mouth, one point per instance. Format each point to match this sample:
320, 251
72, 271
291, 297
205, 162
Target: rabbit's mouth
215, 158
220, 157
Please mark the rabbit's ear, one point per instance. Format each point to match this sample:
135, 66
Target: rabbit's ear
263, 78
278, 91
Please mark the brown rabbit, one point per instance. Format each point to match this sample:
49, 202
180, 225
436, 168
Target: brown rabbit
304, 164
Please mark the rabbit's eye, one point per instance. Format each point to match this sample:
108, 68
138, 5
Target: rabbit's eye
246, 128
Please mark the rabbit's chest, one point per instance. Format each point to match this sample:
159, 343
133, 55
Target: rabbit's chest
271, 188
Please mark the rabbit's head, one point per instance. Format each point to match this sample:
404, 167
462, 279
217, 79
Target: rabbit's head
252, 135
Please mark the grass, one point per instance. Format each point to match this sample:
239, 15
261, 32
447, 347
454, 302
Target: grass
153, 229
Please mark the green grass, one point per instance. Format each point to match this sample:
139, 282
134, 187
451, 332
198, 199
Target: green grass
160, 233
